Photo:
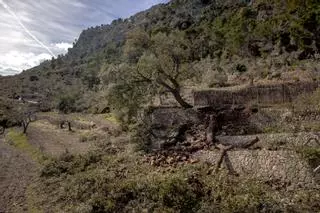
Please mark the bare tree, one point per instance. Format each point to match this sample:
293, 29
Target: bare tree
25, 119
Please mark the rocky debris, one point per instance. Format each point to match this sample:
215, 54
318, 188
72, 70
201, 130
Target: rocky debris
274, 75
276, 166
171, 159
168, 126
180, 146
181, 137
306, 116
277, 141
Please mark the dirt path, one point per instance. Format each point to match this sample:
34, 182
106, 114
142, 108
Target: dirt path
18, 170
53, 141
16, 173
46, 135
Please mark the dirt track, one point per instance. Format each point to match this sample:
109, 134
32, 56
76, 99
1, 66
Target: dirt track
18, 170
16, 173
53, 141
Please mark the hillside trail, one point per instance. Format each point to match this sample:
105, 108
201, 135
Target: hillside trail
17, 171
53, 141
48, 137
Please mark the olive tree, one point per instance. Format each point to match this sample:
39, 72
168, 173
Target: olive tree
127, 92
161, 60
25, 119
23, 115
67, 104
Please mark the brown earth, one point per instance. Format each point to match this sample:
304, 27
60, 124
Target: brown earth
16, 173
53, 141
18, 170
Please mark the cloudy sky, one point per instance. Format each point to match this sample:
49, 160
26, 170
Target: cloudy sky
34, 30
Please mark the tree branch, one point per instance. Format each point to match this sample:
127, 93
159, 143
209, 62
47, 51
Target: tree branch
170, 78
164, 84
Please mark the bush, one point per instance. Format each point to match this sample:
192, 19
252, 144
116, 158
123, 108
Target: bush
307, 103
241, 68
69, 164
312, 155
217, 78
66, 103
182, 195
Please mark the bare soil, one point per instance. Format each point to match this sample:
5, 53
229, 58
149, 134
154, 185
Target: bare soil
53, 141
16, 172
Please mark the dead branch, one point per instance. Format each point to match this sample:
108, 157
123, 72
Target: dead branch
229, 165
224, 150
224, 153
248, 144
211, 130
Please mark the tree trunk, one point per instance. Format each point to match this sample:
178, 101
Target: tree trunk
61, 124
211, 130
175, 90
179, 99
69, 126
25, 126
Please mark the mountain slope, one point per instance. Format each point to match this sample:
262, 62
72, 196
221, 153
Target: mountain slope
270, 35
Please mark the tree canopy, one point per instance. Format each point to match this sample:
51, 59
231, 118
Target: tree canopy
160, 61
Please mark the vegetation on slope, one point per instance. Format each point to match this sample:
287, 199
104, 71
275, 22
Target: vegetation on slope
124, 65
117, 179
211, 40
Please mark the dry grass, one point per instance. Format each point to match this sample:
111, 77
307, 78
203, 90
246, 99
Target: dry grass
20, 141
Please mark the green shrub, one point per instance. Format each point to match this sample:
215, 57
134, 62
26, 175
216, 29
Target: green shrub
308, 103
69, 164
66, 103
241, 68
312, 155
182, 195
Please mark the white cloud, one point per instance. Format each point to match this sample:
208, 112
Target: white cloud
63, 46
56, 23
14, 61
18, 61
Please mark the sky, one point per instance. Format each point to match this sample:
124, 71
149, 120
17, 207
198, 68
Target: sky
35, 30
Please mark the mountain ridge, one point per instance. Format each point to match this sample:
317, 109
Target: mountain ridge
260, 37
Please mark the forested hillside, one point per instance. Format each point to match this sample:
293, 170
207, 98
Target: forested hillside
199, 43
191, 106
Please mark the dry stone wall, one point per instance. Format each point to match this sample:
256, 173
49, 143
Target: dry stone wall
261, 94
